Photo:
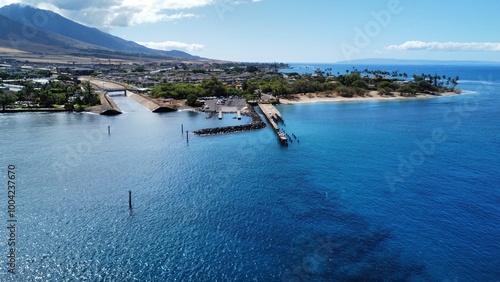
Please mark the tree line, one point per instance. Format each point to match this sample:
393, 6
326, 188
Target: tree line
64, 91
354, 83
212, 87
349, 84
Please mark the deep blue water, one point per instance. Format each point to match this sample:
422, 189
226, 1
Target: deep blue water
467, 74
391, 190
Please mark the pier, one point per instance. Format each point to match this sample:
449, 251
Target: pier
274, 116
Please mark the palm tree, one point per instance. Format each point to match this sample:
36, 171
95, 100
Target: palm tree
436, 78
89, 96
454, 82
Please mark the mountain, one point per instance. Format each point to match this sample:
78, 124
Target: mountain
18, 37
50, 28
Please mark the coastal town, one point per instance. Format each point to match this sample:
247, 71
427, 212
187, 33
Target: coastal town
213, 88
41, 85
18, 77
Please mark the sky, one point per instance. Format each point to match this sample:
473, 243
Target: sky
293, 31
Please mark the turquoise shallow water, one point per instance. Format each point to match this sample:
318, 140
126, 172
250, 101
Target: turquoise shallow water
368, 194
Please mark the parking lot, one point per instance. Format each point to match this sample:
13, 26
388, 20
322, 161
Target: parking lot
227, 105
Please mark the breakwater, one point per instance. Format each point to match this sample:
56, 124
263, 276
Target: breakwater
108, 107
255, 124
148, 103
229, 129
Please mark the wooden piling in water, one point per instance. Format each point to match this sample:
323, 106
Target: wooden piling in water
187, 136
109, 129
130, 199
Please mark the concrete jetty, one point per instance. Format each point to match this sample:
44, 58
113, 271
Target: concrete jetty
274, 116
108, 108
112, 86
148, 103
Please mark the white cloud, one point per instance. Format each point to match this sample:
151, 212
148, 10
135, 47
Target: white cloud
173, 45
446, 46
117, 13
7, 2
142, 4
167, 4
134, 12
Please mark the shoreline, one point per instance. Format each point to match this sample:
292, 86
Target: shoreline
312, 98
35, 110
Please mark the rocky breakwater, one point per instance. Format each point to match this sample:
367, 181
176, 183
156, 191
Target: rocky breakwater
255, 124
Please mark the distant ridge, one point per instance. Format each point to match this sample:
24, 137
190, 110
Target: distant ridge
375, 61
61, 32
38, 41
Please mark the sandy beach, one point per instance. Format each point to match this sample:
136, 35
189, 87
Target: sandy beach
372, 96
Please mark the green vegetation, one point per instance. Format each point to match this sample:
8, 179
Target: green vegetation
175, 91
191, 100
25, 75
209, 87
6, 98
90, 98
213, 87
52, 94
353, 83
350, 84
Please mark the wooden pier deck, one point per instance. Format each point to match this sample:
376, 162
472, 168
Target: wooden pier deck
274, 116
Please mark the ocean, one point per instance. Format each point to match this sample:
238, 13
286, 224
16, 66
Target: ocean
375, 191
